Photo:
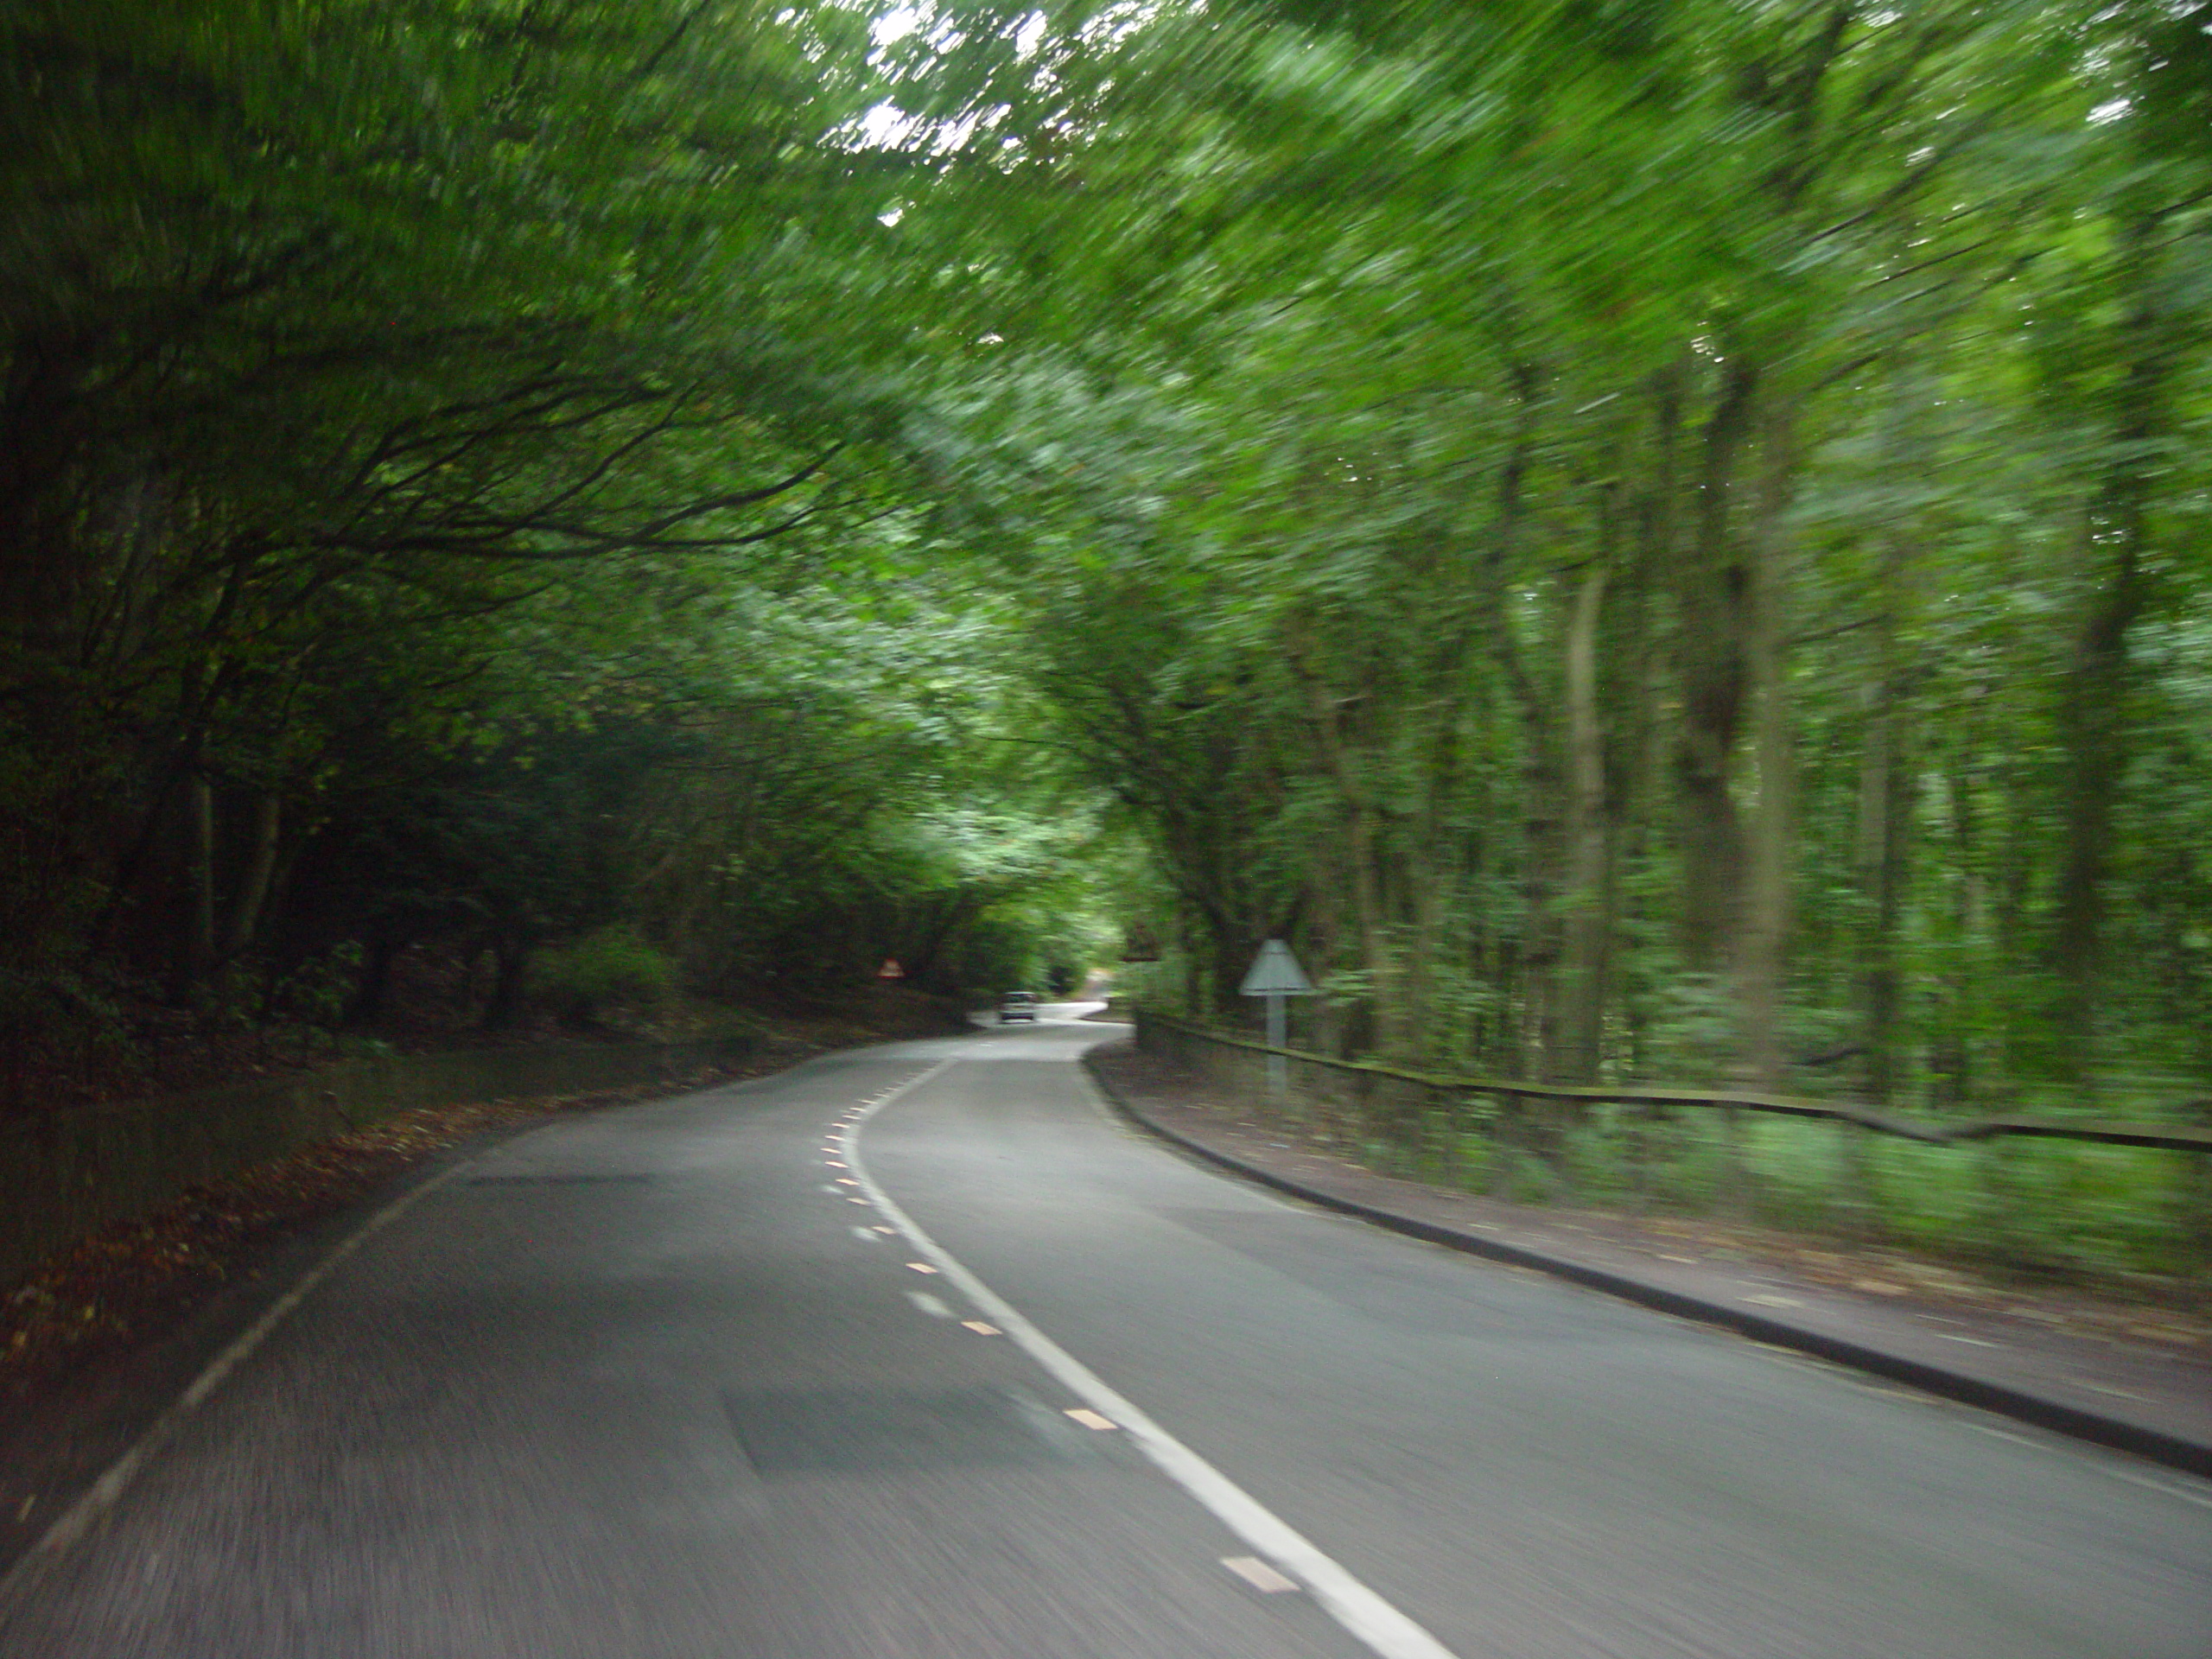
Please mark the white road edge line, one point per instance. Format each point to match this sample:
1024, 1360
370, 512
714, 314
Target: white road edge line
2201, 1500
1366, 1615
97, 1498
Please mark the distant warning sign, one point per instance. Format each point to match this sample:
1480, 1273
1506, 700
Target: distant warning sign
891, 970
1276, 972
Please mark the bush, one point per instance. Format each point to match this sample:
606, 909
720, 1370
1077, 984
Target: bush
613, 966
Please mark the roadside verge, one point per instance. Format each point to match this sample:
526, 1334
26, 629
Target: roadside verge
102, 1344
2144, 1404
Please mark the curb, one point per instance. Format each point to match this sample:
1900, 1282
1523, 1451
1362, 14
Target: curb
2078, 1422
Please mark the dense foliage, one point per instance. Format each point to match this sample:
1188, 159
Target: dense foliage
1646, 536
458, 486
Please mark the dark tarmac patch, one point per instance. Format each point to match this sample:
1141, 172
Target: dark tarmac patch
854, 1431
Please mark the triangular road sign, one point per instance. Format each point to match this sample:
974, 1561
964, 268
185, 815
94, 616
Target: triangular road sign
1276, 972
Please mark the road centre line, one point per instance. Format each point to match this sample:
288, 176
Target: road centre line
1257, 1574
1360, 1611
101, 1496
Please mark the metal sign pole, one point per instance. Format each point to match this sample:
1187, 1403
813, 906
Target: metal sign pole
1275, 975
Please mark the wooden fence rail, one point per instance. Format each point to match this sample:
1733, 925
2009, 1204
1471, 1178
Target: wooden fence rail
2171, 1137
2132, 1198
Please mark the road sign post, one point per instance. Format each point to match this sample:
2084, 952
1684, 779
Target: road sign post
1275, 975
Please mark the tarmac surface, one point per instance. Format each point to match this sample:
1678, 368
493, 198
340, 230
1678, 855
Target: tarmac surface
919, 1351
2015, 1356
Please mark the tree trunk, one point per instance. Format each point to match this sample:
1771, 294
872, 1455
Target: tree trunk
1424, 885
1362, 853
252, 895
1884, 815
1587, 926
1322, 899
510, 965
196, 953
1885, 796
1536, 973
1714, 607
1635, 646
42, 574
2095, 717
370, 993
1953, 1062
1762, 943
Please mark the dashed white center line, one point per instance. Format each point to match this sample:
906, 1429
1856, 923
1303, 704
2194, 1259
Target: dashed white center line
921, 1266
983, 1327
1365, 1615
1090, 1418
929, 1303
1257, 1574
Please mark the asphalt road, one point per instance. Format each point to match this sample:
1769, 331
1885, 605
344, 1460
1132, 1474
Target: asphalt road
658, 1382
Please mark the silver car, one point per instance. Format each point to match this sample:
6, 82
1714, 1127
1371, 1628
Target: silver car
1018, 1005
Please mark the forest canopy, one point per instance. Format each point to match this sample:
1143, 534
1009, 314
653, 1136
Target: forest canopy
1646, 538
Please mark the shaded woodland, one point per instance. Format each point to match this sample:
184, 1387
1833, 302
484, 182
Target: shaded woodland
1647, 539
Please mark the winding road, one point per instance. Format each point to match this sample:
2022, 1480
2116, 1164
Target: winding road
918, 1352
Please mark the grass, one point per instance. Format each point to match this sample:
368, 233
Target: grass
2046, 1209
